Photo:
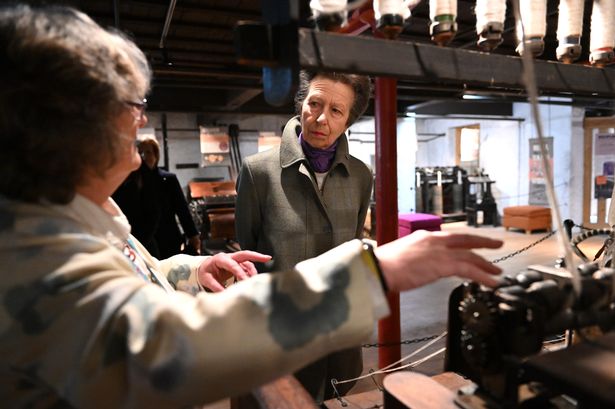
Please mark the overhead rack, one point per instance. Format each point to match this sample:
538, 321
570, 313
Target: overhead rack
447, 66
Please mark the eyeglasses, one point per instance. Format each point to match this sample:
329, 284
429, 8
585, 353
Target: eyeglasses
137, 108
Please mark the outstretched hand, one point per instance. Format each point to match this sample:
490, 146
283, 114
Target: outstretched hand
423, 257
216, 270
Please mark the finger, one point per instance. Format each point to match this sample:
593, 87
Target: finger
476, 260
247, 255
249, 268
469, 241
210, 282
230, 265
471, 272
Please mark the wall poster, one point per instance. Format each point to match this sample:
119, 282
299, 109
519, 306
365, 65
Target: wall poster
604, 165
538, 182
215, 147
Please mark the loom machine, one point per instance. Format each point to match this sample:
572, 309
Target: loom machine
496, 337
331, 15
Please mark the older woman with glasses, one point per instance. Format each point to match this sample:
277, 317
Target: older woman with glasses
88, 317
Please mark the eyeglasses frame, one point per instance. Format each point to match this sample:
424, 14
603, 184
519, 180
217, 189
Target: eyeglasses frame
141, 106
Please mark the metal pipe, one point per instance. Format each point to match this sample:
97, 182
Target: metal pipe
165, 140
116, 13
167, 23
389, 331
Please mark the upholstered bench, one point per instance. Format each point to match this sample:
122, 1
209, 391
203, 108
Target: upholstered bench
528, 218
410, 222
221, 223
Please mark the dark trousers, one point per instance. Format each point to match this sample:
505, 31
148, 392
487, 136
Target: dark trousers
341, 365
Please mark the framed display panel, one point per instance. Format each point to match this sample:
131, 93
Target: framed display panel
598, 142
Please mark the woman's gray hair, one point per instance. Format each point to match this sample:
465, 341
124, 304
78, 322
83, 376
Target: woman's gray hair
360, 84
65, 80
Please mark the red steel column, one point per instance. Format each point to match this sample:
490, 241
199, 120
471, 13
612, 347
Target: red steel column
386, 204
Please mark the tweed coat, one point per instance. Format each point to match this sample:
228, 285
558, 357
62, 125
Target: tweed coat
280, 210
80, 328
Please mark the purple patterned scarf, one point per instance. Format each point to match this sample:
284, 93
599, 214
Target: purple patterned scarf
320, 159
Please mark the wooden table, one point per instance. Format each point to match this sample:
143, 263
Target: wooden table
407, 390
404, 390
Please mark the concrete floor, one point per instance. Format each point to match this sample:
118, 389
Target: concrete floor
424, 311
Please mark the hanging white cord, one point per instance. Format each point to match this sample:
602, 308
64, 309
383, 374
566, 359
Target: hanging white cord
413, 364
532, 92
602, 30
489, 11
530, 37
534, 15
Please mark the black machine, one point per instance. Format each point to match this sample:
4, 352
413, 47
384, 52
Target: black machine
212, 205
480, 200
495, 337
441, 190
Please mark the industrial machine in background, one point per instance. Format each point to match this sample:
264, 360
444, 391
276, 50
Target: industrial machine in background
441, 190
496, 338
449, 192
212, 205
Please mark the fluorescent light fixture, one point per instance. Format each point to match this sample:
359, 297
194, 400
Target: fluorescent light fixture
473, 96
555, 99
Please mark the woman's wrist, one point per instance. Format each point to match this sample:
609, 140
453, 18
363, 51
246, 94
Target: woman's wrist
374, 264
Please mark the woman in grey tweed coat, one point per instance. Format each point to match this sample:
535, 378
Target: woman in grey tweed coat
308, 195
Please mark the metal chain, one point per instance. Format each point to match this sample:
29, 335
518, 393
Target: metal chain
580, 226
514, 253
405, 342
497, 260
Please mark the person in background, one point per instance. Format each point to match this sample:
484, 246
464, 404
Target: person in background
308, 195
169, 239
139, 198
89, 318
151, 198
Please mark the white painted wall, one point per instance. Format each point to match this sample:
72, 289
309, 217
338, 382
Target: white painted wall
504, 152
362, 146
503, 155
184, 147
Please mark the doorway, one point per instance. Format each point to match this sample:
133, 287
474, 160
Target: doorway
598, 170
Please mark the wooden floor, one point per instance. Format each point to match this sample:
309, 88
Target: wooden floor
423, 311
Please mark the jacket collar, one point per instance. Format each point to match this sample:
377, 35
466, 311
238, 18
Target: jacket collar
291, 152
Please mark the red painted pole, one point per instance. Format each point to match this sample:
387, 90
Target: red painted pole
389, 331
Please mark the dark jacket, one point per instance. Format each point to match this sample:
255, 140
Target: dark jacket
172, 202
150, 199
138, 197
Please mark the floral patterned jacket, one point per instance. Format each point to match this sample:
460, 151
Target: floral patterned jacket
83, 325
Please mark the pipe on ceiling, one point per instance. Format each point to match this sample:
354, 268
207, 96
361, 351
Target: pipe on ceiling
116, 13
167, 22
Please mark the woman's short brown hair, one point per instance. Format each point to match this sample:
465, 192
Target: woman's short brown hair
360, 84
64, 81
153, 143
